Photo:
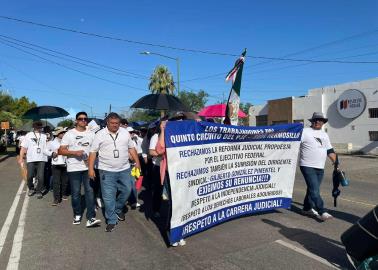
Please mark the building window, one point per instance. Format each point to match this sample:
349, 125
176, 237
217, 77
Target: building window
373, 112
299, 121
261, 120
373, 135
279, 122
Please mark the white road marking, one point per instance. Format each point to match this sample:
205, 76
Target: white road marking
8, 221
15, 255
308, 254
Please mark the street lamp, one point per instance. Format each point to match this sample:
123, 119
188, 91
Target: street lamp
177, 64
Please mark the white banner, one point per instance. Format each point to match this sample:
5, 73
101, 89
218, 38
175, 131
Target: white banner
220, 172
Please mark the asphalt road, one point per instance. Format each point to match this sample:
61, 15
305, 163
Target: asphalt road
35, 235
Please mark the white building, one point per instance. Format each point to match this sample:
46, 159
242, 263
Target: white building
352, 110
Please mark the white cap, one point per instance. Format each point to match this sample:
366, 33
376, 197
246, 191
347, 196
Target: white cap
129, 129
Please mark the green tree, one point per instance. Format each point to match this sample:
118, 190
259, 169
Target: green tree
66, 123
194, 101
161, 81
245, 108
143, 115
12, 109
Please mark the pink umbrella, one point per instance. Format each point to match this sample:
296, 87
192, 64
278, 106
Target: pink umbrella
217, 110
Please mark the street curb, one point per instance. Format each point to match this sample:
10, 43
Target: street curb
4, 158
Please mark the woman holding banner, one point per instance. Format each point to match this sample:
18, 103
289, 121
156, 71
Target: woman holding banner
164, 176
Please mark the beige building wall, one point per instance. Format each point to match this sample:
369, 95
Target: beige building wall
280, 111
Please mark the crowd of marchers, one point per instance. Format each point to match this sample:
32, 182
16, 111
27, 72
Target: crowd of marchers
101, 159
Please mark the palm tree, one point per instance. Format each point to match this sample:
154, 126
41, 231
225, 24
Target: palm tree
161, 81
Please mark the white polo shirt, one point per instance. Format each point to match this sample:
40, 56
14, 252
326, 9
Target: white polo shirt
77, 140
32, 142
314, 146
153, 142
52, 147
106, 143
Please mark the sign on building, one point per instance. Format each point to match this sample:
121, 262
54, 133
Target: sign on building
351, 103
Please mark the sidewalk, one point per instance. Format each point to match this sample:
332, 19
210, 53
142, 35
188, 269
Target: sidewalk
4, 157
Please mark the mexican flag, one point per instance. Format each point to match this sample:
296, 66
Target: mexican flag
232, 108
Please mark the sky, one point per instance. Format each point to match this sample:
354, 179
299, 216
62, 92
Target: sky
299, 30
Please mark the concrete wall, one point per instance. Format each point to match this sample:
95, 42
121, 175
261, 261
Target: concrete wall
280, 110
349, 134
353, 131
257, 110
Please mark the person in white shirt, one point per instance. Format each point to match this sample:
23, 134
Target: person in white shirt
34, 145
314, 149
58, 167
75, 145
133, 199
114, 147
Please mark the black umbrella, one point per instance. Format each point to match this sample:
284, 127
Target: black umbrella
45, 112
160, 102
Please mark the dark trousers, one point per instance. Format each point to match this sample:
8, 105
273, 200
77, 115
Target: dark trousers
76, 178
60, 182
36, 169
47, 177
313, 178
157, 189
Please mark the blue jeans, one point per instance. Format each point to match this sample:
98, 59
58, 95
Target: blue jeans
313, 178
111, 183
76, 178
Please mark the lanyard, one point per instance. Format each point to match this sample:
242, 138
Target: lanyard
38, 140
114, 139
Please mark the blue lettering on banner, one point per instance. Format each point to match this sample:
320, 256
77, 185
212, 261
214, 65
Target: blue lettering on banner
226, 214
233, 182
184, 133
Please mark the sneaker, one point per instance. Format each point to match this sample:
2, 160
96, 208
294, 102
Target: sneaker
121, 216
93, 222
175, 244
31, 192
39, 195
99, 202
311, 213
325, 216
135, 206
77, 220
64, 198
164, 197
55, 203
110, 227
182, 242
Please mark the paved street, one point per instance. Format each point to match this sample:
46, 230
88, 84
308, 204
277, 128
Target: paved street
35, 235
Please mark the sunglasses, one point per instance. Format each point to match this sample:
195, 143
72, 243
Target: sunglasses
82, 119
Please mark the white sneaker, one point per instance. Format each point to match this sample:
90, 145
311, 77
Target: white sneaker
175, 244
137, 205
325, 216
77, 220
93, 222
99, 202
182, 242
311, 213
